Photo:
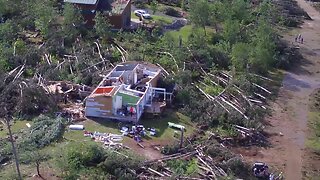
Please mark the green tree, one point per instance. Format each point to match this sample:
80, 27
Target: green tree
44, 131
239, 9
79, 156
200, 12
262, 56
8, 32
44, 15
31, 154
231, 30
20, 47
217, 14
240, 56
5, 52
72, 21
102, 26
154, 6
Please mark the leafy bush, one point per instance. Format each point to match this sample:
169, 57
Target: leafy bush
183, 167
117, 165
288, 55
84, 155
170, 149
172, 12
44, 131
5, 151
238, 167
81, 159
140, 4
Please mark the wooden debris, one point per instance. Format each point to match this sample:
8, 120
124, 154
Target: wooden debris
169, 54
264, 89
234, 108
163, 69
262, 77
156, 172
142, 146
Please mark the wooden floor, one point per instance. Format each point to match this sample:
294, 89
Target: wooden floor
156, 107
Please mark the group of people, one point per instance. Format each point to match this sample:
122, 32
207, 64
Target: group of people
298, 39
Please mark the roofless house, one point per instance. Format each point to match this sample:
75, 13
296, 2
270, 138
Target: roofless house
128, 91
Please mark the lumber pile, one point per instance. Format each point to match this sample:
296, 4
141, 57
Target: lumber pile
208, 167
245, 137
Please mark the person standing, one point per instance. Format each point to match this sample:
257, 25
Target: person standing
131, 111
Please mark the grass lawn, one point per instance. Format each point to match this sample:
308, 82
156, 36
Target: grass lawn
162, 19
15, 128
186, 31
159, 123
314, 124
157, 19
164, 132
103, 126
311, 170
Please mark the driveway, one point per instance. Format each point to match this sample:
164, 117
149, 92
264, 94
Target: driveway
290, 111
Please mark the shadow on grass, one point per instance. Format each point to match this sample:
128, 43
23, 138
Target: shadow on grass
159, 122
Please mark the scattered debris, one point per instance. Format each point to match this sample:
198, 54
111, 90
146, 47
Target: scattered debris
108, 139
76, 127
280, 134
245, 137
208, 168
28, 125
178, 126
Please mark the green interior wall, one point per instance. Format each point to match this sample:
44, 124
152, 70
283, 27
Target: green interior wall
126, 99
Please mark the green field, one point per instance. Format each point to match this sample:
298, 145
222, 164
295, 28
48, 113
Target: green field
16, 127
165, 135
155, 18
161, 124
314, 140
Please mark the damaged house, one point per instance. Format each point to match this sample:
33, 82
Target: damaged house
128, 91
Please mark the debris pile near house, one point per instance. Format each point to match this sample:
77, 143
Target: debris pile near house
69, 96
74, 112
68, 92
137, 132
23, 97
108, 139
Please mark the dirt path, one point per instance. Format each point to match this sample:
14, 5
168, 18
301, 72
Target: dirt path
290, 111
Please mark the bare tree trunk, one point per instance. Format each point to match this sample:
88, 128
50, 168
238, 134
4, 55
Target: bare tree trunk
181, 138
14, 151
38, 169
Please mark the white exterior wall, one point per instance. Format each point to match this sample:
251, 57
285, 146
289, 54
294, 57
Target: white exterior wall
92, 109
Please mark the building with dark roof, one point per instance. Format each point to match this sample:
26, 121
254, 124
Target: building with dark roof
119, 11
